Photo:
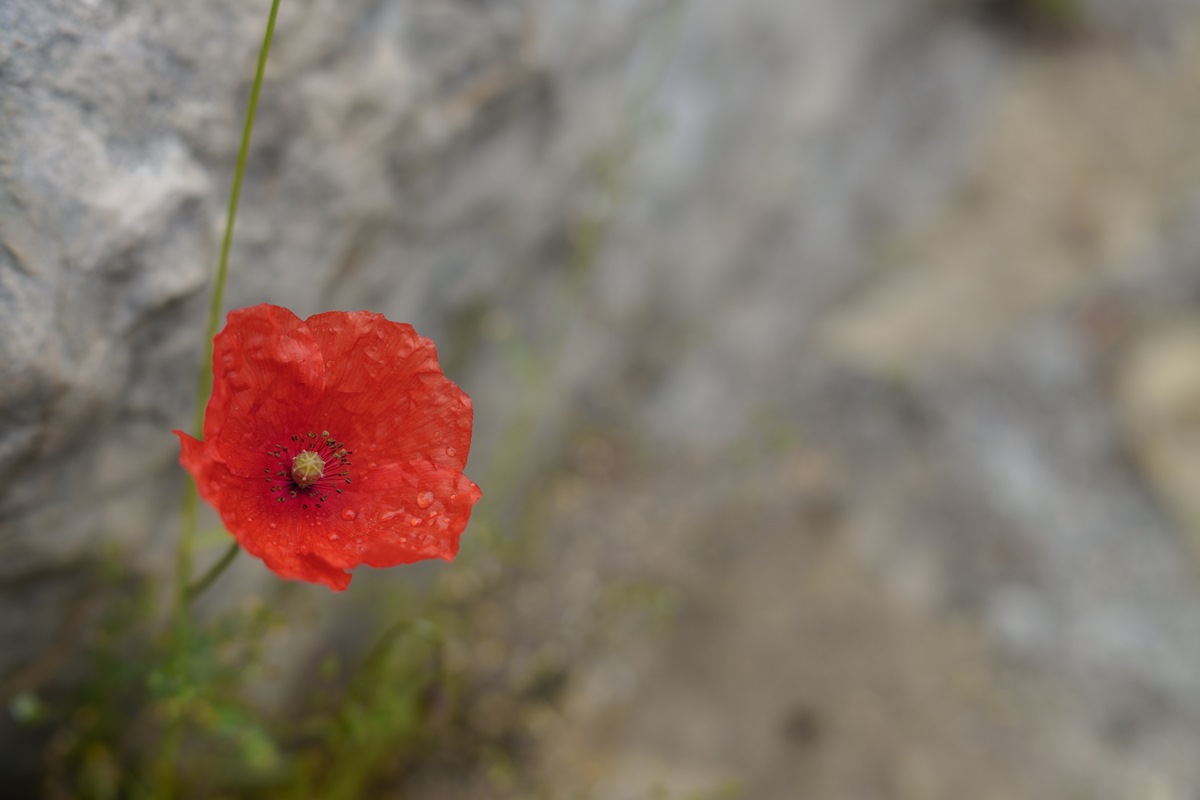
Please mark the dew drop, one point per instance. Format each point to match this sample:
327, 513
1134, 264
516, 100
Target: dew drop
415, 522
272, 525
425, 499
349, 514
450, 451
333, 537
371, 448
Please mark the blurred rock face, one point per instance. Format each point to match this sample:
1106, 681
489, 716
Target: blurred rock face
426, 160
406, 156
958, 271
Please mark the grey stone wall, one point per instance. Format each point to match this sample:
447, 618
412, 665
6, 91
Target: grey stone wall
423, 159
408, 157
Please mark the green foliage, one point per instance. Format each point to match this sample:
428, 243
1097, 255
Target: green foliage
137, 690
437, 692
379, 727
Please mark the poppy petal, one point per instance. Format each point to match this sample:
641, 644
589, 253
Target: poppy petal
265, 350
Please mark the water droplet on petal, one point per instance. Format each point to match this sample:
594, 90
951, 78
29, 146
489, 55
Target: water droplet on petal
333, 537
450, 451
272, 525
349, 514
425, 499
415, 522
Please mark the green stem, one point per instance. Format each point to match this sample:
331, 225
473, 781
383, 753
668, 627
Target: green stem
163, 770
191, 505
214, 572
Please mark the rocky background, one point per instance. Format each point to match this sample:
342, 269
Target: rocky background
866, 335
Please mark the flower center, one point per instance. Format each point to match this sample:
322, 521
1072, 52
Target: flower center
309, 468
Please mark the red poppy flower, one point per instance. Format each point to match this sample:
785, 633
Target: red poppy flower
332, 442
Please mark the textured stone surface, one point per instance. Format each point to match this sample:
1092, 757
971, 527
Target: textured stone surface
389, 139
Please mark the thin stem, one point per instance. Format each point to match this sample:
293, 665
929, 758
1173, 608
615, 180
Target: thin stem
163, 770
191, 505
214, 572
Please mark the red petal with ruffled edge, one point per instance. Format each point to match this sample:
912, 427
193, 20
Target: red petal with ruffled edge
351, 381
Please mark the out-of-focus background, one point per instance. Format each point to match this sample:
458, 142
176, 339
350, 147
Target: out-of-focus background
836, 366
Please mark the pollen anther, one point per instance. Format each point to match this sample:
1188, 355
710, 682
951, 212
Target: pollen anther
307, 468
